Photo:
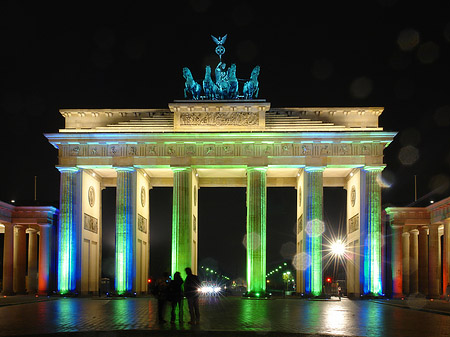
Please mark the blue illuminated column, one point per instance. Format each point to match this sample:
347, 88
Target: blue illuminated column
68, 230
125, 227
314, 228
256, 230
371, 231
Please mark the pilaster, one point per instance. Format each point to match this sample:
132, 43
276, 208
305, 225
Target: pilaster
256, 229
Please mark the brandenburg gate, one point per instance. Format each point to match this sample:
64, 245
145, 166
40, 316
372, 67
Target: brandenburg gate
209, 143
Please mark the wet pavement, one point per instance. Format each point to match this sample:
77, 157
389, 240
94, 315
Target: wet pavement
224, 316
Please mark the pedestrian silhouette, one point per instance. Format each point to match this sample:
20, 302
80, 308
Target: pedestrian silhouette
161, 293
191, 286
176, 297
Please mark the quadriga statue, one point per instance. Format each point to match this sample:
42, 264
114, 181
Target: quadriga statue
190, 86
209, 87
251, 88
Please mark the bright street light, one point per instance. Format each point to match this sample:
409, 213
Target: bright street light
338, 248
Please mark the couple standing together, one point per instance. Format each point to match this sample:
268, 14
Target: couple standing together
175, 296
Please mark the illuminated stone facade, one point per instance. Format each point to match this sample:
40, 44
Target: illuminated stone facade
420, 249
196, 144
36, 276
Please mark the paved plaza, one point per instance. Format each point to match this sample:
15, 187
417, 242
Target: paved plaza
224, 316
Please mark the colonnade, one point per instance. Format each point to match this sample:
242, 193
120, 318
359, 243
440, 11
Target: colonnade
24, 273
420, 249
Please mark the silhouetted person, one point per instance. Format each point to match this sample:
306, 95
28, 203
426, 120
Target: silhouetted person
176, 297
191, 285
162, 292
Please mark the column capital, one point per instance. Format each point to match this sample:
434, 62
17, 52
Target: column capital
125, 168
70, 169
374, 168
414, 231
314, 168
257, 168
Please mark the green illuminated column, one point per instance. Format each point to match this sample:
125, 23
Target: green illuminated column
68, 228
256, 230
314, 228
125, 229
183, 245
371, 231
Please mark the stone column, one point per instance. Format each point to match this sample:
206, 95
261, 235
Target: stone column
413, 261
256, 229
182, 221
68, 227
125, 226
19, 259
446, 261
396, 261
405, 259
44, 259
371, 231
314, 228
8, 260
433, 262
32, 261
423, 260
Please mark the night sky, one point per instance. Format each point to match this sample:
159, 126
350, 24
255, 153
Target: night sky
77, 54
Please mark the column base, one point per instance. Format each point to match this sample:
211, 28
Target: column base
8, 293
398, 296
257, 295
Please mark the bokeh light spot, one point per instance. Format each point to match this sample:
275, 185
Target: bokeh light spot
408, 155
255, 240
315, 227
301, 261
408, 39
361, 87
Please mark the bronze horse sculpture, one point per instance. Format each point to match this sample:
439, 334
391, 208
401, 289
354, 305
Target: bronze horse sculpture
251, 88
190, 86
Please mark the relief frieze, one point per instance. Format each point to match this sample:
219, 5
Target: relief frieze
223, 149
353, 223
142, 224
219, 118
90, 223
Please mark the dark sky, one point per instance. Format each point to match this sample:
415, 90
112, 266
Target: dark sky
104, 54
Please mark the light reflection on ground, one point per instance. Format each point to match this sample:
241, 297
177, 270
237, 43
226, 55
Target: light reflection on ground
350, 318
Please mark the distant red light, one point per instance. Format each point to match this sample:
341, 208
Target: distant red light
329, 279
149, 280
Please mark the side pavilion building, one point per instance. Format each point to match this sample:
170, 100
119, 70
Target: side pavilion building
199, 144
